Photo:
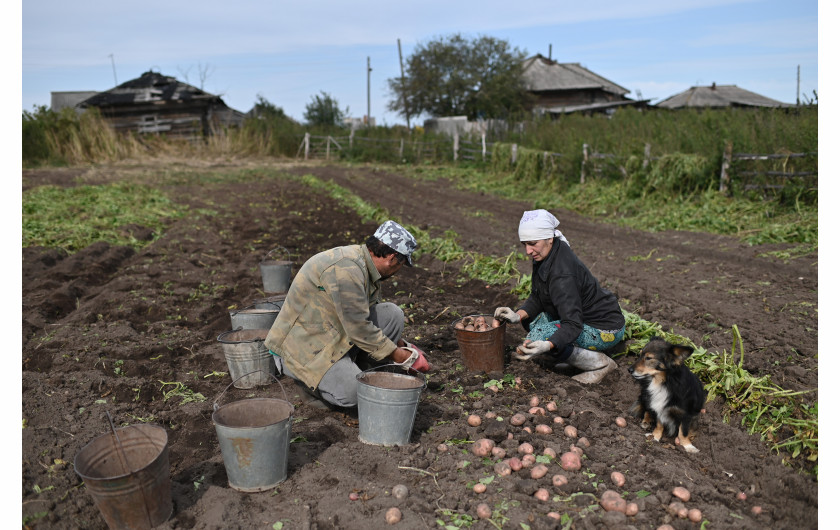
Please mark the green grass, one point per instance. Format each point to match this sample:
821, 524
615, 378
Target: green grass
73, 218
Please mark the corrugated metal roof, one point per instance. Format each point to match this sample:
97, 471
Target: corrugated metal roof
718, 96
542, 74
149, 87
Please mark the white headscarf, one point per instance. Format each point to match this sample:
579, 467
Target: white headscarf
539, 224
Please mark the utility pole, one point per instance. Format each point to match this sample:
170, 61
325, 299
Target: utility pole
402, 82
368, 91
797, 85
115, 69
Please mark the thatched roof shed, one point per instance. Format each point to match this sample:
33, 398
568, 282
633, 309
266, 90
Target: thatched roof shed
718, 96
156, 103
569, 87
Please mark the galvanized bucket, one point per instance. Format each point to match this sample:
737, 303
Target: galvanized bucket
246, 353
276, 274
126, 471
482, 351
272, 302
254, 436
252, 317
388, 404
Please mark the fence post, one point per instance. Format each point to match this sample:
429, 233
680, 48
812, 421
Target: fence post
583, 163
724, 168
329, 141
352, 132
455, 147
483, 147
647, 156
401, 148
513, 150
306, 147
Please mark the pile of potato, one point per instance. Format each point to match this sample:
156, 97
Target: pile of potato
476, 323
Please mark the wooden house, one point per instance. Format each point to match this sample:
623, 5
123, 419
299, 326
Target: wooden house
156, 103
562, 88
718, 96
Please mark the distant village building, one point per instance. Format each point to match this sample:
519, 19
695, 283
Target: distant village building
563, 88
718, 96
156, 103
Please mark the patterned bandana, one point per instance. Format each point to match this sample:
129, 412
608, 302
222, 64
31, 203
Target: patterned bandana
539, 224
398, 238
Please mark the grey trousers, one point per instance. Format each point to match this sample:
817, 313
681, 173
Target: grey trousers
338, 386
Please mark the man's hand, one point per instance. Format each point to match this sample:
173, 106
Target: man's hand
410, 356
531, 349
506, 313
421, 364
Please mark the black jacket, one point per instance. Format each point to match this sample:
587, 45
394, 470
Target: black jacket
563, 287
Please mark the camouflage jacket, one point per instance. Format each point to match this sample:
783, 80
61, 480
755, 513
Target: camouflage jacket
326, 312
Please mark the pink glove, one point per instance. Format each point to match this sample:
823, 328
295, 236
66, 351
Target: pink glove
421, 364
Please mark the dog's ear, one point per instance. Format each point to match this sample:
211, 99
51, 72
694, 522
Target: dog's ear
680, 353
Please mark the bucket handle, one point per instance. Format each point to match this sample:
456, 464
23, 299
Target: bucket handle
401, 367
216, 405
288, 254
126, 467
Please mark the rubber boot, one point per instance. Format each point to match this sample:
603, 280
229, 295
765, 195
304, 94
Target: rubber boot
595, 365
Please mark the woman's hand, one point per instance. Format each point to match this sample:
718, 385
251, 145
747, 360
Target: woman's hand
506, 313
532, 348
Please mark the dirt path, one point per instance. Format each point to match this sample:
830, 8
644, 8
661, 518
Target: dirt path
105, 329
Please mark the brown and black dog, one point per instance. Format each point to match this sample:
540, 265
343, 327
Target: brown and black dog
671, 394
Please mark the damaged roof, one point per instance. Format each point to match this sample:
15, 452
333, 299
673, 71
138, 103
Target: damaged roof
543, 74
718, 96
149, 87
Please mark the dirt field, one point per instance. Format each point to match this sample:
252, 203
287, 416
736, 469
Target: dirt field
105, 328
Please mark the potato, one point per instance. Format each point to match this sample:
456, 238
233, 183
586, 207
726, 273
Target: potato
534, 401
631, 509
496, 323
617, 478
554, 515
621, 422
681, 493
483, 447
480, 488
576, 450
525, 448
551, 406
493, 388
442, 448
542, 494
483, 511
559, 480
518, 419
474, 420
558, 420
393, 515
539, 471
480, 321
612, 501
756, 510
543, 429
502, 468
469, 327
528, 460
498, 452
459, 325
583, 441
400, 491
664, 527
490, 415
570, 431
537, 411
353, 496
548, 451
695, 515
570, 461
527, 429
742, 496
514, 463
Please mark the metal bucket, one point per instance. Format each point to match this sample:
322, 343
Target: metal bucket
387, 404
253, 317
482, 351
126, 471
271, 302
247, 355
276, 274
254, 436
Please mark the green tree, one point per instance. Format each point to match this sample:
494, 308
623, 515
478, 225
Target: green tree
324, 110
266, 109
454, 76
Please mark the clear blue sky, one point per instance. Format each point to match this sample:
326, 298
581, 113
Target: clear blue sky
290, 51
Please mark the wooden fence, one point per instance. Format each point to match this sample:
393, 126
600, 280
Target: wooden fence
729, 167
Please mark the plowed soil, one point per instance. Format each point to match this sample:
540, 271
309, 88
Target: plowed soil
108, 330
